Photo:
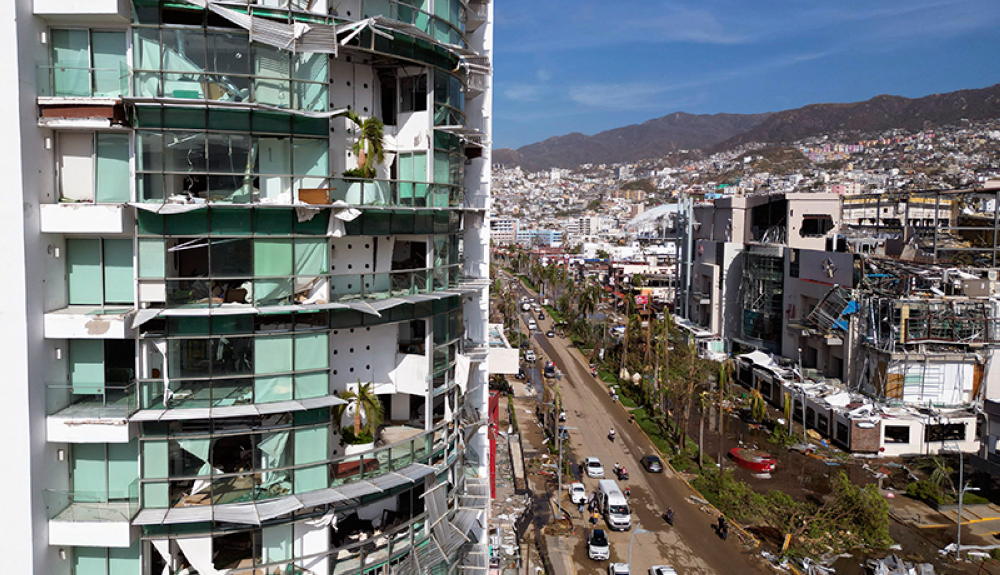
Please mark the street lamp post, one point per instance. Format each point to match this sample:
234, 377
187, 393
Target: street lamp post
961, 497
638, 529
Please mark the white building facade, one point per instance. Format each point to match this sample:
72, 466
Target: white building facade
219, 284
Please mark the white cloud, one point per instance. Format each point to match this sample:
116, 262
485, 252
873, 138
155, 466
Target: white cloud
523, 92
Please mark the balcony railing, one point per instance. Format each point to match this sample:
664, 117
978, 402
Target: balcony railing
356, 192
440, 29
429, 448
93, 400
70, 82
94, 506
284, 290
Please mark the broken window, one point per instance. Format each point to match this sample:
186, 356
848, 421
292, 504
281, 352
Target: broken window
413, 94
842, 433
412, 337
195, 63
196, 167
815, 225
793, 263
823, 424
944, 432
897, 434
409, 255
449, 101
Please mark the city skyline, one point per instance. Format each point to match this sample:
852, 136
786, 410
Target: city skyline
570, 69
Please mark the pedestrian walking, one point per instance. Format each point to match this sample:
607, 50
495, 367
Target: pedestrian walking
594, 518
581, 508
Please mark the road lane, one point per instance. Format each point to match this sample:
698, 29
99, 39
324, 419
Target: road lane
692, 546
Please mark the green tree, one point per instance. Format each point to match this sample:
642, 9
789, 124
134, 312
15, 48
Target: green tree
368, 411
369, 146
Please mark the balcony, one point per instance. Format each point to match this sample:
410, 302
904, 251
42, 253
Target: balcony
91, 519
81, 98
88, 322
257, 496
319, 292
103, 219
89, 12
476, 15
339, 191
475, 84
238, 397
94, 414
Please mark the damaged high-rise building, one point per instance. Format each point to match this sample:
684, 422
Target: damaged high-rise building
246, 298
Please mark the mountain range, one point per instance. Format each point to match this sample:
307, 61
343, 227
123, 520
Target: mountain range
719, 132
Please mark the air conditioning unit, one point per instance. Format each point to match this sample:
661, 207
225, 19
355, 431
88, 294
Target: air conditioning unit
993, 275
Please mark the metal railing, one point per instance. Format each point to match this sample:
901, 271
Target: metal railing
92, 506
428, 448
353, 191
73, 82
93, 400
276, 291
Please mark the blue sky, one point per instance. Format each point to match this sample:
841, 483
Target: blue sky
564, 66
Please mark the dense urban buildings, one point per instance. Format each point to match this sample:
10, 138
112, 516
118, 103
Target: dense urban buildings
245, 323
850, 275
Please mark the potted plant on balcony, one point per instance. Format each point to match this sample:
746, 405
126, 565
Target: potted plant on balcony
360, 418
369, 148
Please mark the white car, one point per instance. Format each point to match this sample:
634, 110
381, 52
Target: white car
598, 547
618, 569
529, 355
577, 493
593, 467
662, 570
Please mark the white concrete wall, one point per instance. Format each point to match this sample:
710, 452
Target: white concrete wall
118, 534
103, 219
30, 462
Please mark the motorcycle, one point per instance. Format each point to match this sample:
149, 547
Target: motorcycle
669, 516
611, 436
622, 475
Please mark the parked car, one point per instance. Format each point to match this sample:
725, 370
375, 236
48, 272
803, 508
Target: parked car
618, 569
520, 373
652, 464
662, 570
598, 547
529, 355
593, 467
577, 493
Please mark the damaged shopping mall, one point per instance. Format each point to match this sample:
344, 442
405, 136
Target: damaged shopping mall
249, 333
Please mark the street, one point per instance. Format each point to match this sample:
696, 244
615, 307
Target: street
691, 546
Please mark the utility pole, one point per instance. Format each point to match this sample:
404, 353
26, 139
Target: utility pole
802, 390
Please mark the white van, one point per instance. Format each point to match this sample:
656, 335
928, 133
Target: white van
614, 505
532, 325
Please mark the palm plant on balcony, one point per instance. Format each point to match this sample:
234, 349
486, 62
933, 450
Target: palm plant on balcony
369, 147
366, 413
